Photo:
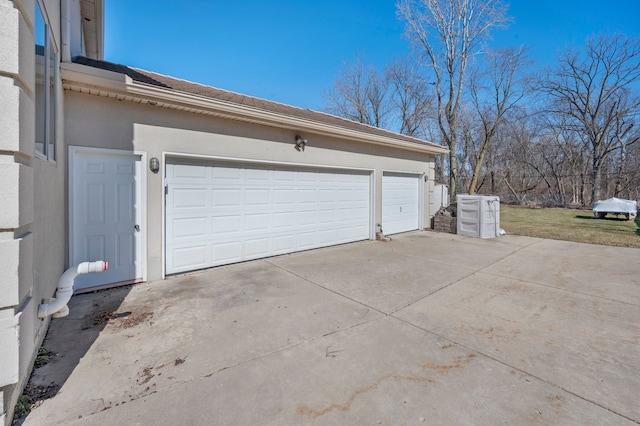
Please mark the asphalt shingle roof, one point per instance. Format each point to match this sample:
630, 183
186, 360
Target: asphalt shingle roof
184, 86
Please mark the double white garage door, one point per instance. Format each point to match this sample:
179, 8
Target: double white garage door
219, 213
224, 213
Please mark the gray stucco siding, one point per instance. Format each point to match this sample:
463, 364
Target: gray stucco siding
101, 122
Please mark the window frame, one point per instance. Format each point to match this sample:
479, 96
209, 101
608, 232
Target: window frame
49, 87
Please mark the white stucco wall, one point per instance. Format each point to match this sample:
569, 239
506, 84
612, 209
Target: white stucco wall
32, 208
108, 123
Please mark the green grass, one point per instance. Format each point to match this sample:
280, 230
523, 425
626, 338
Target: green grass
43, 357
570, 225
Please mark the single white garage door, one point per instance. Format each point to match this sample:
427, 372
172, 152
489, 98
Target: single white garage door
400, 202
220, 213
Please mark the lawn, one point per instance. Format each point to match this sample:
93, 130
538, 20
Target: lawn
570, 225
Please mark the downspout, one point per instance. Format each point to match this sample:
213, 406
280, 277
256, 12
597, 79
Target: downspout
58, 306
65, 30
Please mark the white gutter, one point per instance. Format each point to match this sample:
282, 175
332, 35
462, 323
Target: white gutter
58, 306
95, 81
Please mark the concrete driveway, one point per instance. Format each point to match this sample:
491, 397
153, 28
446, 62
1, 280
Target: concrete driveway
426, 329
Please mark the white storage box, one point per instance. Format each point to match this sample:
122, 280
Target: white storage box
478, 216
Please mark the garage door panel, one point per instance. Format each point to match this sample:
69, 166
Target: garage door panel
306, 240
285, 176
256, 212
189, 227
326, 216
327, 195
283, 220
226, 224
183, 171
307, 196
257, 174
257, 197
326, 237
189, 197
257, 222
258, 247
226, 252
227, 197
284, 196
306, 217
226, 174
283, 244
307, 178
192, 257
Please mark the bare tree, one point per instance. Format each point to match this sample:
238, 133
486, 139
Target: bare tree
360, 94
450, 32
520, 163
411, 97
591, 92
496, 85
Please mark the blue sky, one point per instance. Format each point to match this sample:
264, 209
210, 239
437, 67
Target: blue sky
290, 51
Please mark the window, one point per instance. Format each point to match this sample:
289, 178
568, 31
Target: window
46, 87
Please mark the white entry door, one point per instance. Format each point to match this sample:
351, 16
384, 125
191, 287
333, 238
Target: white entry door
106, 214
400, 202
220, 213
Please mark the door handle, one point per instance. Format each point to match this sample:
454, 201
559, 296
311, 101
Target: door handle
136, 227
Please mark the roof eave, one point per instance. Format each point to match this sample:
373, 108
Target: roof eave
107, 83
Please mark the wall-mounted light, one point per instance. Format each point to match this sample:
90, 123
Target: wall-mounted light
154, 165
300, 143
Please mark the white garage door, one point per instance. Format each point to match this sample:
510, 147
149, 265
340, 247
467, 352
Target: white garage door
220, 213
400, 203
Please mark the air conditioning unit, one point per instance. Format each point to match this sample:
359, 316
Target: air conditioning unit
478, 216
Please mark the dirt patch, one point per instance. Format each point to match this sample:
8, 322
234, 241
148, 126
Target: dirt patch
150, 372
40, 393
145, 376
120, 320
32, 397
132, 320
97, 319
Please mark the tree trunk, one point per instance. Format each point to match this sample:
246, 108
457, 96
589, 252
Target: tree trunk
596, 178
453, 172
477, 168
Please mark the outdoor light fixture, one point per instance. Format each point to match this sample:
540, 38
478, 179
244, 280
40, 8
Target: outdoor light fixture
300, 143
154, 165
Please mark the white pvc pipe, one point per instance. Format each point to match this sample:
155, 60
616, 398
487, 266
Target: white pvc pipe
58, 307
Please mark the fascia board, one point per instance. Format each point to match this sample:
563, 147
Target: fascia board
98, 78
120, 84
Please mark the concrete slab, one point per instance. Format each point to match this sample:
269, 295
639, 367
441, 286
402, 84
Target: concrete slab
428, 328
373, 275
582, 344
602, 271
457, 251
382, 372
183, 329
